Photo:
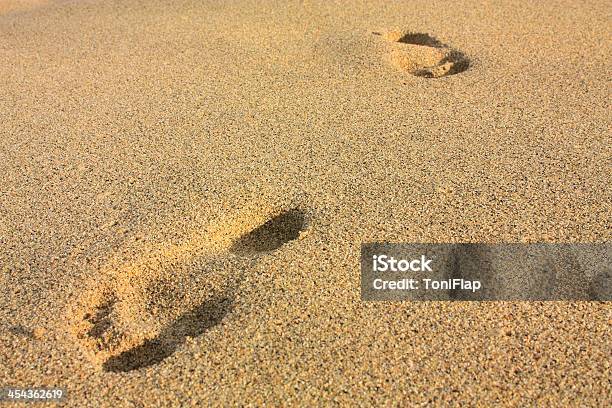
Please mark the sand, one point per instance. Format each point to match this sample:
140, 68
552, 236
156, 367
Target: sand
185, 186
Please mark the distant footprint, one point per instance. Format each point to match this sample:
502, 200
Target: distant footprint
141, 315
423, 55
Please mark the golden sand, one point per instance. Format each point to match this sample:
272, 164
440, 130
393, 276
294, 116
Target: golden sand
185, 186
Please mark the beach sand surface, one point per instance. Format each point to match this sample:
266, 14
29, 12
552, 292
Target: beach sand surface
185, 187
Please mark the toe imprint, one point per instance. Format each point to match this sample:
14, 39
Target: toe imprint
272, 235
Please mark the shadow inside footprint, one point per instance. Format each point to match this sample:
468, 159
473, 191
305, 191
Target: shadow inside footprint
272, 235
191, 324
420, 39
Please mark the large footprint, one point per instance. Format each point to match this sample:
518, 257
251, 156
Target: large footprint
423, 55
143, 311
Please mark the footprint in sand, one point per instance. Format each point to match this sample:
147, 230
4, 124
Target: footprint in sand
423, 55
146, 309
